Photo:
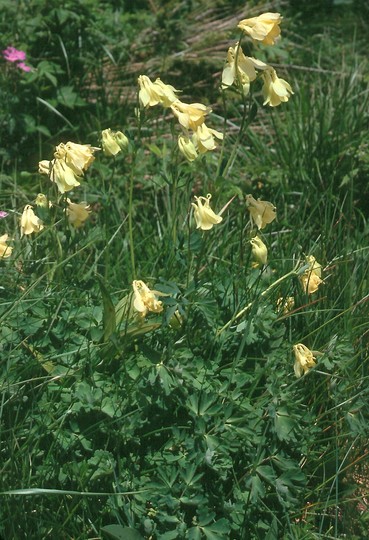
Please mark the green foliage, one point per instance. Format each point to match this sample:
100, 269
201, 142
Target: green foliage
186, 422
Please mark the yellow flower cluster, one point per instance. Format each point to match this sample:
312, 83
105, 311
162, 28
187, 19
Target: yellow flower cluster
191, 117
241, 70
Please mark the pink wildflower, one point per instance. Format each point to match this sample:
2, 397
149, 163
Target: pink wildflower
14, 55
3, 214
11, 54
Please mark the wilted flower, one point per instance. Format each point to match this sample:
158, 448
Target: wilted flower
187, 148
29, 222
60, 173
190, 116
286, 304
76, 156
275, 90
261, 212
204, 138
264, 28
311, 278
153, 93
259, 250
304, 359
42, 201
77, 213
145, 300
113, 142
5, 250
204, 216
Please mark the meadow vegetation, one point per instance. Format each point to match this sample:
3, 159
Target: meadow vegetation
184, 227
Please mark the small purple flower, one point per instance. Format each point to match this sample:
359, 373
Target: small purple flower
3, 214
11, 54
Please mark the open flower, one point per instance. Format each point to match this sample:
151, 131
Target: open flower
240, 70
204, 138
190, 116
205, 217
187, 148
261, 212
60, 173
11, 54
77, 213
5, 250
304, 359
154, 93
76, 156
264, 28
275, 90
311, 278
29, 222
259, 250
145, 300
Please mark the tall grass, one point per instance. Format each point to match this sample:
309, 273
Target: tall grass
191, 423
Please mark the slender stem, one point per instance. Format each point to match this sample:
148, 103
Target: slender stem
250, 304
130, 225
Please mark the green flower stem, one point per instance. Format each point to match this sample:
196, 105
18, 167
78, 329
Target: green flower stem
130, 224
293, 272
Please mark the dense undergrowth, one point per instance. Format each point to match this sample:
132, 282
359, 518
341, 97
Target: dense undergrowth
188, 422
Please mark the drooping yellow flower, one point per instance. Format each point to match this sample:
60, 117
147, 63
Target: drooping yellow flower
5, 250
261, 212
113, 142
145, 300
205, 217
275, 90
76, 156
154, 93
190, 116
264, 28
60, 173
311, 278
240, 70
259, 250
77, 213
29, 222
204, 138
187, 148
304, 359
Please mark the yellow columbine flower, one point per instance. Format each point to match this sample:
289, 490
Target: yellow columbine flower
154, 93
5, 250
204, 216
304, 359
109, 144
29, 222
204, 138
259, 250
275, 90
311, 278
60, 173
190, 116
77, 213
187, 148
264, 28
76, 156
145, 300
261, 212
240, 70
